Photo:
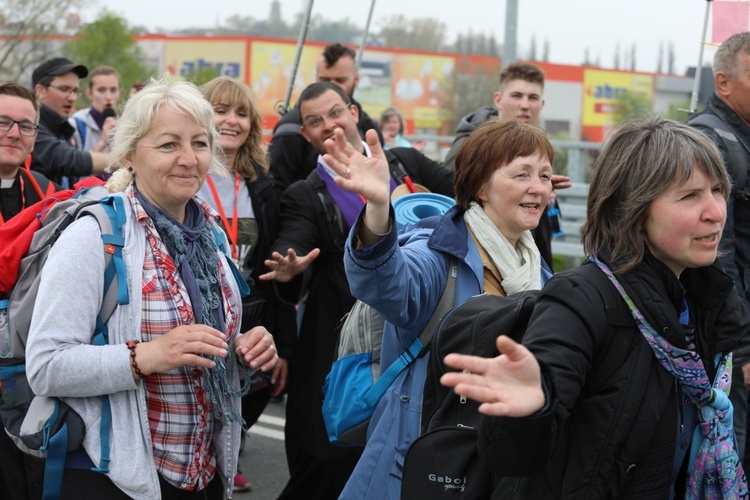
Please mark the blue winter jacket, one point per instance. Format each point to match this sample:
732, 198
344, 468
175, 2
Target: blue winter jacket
402, 277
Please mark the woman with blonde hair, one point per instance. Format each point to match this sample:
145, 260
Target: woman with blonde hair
248, 208
176, 356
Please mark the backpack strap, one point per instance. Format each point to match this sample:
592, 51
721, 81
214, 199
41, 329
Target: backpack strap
395, 166
109, 213
737, 167
398, 171
334, 217
420, 344
54, 463
223, 244
81, 130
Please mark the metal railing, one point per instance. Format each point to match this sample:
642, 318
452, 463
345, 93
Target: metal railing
572, 201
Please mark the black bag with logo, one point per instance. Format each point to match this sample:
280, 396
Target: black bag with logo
443, 462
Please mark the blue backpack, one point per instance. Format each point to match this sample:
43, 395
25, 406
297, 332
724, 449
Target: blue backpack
355, 386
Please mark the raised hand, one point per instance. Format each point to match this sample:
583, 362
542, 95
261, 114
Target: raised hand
285, 267
370, 177
508, 385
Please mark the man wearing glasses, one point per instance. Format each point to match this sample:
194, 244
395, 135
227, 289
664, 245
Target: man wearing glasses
21, 475
315, 217
56, 84
19, 187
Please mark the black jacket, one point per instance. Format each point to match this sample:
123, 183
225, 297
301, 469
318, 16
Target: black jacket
54, 154
292, 158
12, 200
610, 427
278, 317
735, 240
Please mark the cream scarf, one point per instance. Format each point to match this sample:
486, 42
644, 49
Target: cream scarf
520, 267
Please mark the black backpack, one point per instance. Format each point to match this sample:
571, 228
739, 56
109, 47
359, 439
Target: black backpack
443, 462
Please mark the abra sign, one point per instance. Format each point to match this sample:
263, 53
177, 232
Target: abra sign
220, 68
188, 57
608, 92
605, 92
449, 483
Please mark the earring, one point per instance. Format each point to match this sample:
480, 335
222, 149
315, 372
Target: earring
130, 169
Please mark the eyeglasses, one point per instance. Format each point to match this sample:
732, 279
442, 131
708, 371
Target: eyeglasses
24, 128
67, 90
315, 121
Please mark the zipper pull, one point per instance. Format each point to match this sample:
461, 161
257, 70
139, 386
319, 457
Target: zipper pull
462, 398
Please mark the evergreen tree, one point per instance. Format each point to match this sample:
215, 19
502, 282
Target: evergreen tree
108, 41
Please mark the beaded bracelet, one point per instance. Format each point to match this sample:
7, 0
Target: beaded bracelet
131, 345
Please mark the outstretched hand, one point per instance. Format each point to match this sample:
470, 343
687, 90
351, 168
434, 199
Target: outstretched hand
369, 177
561, 181
507, 385
285, 267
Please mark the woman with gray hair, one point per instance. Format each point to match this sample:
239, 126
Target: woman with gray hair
619, 389
175, 355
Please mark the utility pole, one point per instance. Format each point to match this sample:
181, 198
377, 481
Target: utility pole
697, 80
511, 25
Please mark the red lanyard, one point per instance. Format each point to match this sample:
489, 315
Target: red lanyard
232, 229
410, 184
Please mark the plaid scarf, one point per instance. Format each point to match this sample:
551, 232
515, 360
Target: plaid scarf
715, 471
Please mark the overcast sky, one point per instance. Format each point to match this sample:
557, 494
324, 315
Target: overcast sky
570, 26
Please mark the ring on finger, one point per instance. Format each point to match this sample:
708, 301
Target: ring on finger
348, 171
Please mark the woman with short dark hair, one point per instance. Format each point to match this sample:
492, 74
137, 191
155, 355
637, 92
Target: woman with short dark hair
503, 182
249, 212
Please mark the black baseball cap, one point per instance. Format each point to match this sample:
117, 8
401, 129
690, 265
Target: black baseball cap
58, 66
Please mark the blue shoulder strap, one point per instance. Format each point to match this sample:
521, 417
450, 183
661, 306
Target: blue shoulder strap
114, 272
111, 223
81, 130
55, 461
447, 300
221, 242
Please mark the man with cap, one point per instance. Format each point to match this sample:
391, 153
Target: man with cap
56, 84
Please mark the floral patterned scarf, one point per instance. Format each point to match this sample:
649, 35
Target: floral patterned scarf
716, 471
